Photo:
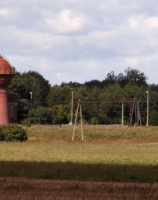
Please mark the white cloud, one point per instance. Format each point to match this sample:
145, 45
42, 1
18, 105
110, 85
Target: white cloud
133, 23
78, 41
65, 21
4, 12
29, 40
152, 22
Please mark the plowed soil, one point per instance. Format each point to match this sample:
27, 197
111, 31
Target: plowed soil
35, 189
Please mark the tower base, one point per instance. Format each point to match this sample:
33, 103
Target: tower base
4, 109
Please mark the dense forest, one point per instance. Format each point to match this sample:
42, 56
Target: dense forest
101, 99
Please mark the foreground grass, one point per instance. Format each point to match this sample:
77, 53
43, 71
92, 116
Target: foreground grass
80, 161
124, 154
84, 153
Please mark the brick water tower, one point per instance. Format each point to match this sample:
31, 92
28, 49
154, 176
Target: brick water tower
6, 74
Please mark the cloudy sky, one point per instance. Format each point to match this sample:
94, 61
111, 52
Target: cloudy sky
70, 40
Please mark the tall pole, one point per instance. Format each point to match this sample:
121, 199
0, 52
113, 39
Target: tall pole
30, 106
78, 106
72, 101
122, 113
81, 120
147, 118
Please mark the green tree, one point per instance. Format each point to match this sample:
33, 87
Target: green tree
41, 115
44, 86
132, 76
59, 95
60, 114
24, 83
153, 118
112, 92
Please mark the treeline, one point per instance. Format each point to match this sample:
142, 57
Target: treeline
52, 104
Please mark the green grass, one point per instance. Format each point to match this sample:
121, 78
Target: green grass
104, 162
94, 133
121, 154
106, 154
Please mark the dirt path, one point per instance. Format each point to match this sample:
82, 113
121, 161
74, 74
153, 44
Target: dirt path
24, 189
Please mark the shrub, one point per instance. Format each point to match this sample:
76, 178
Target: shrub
103, 119
26, 122
13, 132
94, 120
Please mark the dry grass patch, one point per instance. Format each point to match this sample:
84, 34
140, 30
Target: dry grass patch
95, 133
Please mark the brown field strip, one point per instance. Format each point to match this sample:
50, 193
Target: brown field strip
18, 188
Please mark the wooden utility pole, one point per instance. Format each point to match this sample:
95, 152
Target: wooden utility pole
78, 107
139, 117
147, 117
122, 113
136, 111
72, 105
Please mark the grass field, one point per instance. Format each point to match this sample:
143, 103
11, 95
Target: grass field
124, 154
81, 153
94, 133
112, 163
